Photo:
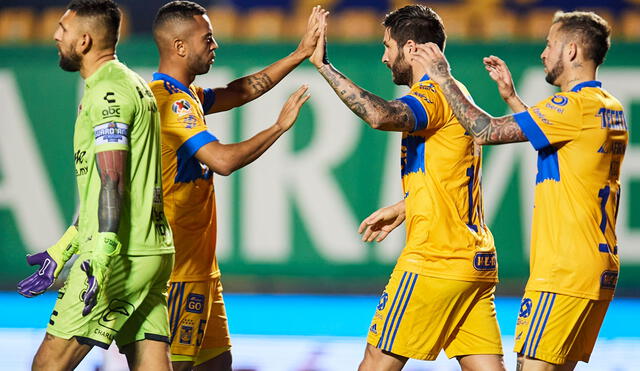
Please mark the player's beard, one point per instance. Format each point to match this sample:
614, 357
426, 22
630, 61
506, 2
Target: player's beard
198, 67
554, 73
401, 70
71, 61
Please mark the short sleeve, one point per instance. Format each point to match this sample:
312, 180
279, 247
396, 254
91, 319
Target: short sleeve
112, 110
555, 120
423, 101
183, 128
207, 96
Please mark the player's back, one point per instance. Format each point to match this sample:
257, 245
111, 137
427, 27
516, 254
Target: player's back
118, 112
581, 142
441, 167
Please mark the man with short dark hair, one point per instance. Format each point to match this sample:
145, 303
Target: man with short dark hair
581, 136
116, 289
441, 292
190, 155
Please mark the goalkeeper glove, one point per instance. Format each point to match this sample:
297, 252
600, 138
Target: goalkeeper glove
51, 262
97, 268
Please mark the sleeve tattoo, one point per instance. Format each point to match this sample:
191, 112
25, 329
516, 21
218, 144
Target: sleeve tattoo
375, 111
484, 128
111, 168
259, 83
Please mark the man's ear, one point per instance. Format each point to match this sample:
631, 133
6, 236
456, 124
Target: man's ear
572, 51
180, 47
84, 44
409, 46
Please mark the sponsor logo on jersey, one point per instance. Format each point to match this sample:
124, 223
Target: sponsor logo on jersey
111, 111
560, 100
195, 303
542, 117
109, 97
181, 107
383, 301
608, 280
111, 132
485, 261
525, 308
189, 121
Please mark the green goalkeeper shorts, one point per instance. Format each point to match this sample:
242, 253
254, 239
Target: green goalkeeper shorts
132, 307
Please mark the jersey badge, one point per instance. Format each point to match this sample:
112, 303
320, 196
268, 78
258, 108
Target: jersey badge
181, 107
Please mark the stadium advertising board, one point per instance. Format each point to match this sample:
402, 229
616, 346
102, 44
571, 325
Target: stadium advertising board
289, 221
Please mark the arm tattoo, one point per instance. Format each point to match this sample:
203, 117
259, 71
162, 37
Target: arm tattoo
375, 111
487, 129
259, 82
111, 168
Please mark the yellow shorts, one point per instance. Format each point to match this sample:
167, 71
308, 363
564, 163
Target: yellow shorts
418, 316
197, 317
557, 328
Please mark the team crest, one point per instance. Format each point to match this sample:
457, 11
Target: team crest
186, 333
383, 301
525, 308
181, 107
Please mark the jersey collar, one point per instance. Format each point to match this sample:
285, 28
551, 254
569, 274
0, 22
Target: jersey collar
172, 81
425, 77
587, 84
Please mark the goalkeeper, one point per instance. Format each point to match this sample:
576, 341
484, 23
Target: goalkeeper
117, 287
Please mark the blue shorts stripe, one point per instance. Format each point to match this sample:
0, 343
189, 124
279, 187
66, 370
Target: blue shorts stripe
395, 314
173, 296
544, 324
533, 319
535, 331
413, 283
178, 310
386, 321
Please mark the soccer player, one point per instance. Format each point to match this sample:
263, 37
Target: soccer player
441, 292
581, 135
116, 289
190, 155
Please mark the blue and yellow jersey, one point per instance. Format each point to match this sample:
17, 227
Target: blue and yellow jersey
441, 167
189, 199
581, 136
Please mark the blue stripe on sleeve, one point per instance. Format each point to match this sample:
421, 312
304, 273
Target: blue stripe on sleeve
209, 99
193, 144
531, 130
419, 113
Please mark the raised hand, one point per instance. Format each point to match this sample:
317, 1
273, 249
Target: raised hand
310, 38
433, 61
291, 108
499, 72
378, 225
51, 263
319, 57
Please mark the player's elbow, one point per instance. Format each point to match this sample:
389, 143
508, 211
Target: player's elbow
224, 170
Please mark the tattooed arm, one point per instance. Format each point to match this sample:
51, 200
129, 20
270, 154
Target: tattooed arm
484, 128
376, 112
111, 167
379, 113
248, 88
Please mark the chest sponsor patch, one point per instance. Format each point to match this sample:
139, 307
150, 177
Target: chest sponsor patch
111, 133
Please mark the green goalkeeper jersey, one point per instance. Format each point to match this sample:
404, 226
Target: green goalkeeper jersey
118, 112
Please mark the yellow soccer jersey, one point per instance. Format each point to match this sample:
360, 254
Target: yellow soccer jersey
189, 196
581, 137
441, 167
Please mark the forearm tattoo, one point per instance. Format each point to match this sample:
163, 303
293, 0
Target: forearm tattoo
111, 168
375, 111
477, 122
259, 82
